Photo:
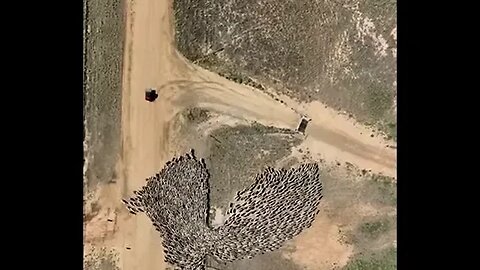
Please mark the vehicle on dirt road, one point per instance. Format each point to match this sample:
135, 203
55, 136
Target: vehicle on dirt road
151, 95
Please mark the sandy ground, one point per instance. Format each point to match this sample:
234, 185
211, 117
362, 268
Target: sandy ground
151, 60
319, 247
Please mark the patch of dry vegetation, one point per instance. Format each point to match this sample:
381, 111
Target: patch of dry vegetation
339, 52
103, 52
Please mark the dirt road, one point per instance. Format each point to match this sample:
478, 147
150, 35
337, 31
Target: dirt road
151, 60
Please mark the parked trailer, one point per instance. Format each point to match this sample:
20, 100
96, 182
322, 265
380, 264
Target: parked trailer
303, 124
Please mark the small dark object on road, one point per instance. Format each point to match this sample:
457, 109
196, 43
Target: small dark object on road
110, 220
303, 124
128, 248
151, 95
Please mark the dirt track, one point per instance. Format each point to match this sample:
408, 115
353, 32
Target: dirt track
151, 60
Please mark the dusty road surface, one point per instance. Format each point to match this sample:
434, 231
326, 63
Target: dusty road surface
151, 60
